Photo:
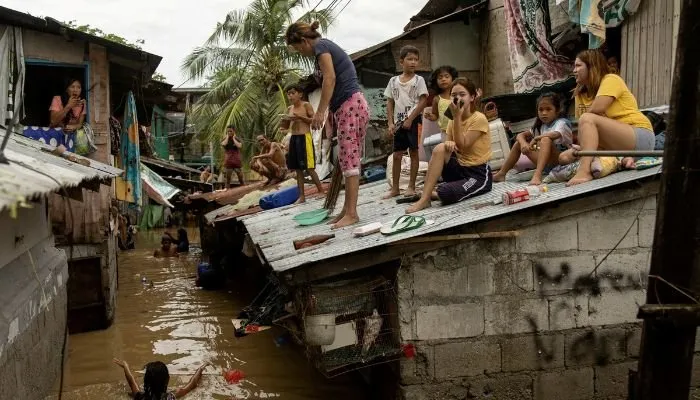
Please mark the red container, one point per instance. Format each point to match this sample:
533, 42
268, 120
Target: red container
516, 196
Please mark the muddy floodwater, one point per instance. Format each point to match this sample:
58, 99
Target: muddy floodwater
182, 325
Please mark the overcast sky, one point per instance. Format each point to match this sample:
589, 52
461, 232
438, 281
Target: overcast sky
172, 28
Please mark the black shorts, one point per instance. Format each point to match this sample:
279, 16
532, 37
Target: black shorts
407, 138
301, 155
462, 183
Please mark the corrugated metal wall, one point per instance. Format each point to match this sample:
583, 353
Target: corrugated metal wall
648, 51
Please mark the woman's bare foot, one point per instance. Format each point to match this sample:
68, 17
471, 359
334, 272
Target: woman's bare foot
629, 163
536, 180
579, 178
337, 218
409, 192
499, 177
345, 221
301, 200
391, 195
420, 205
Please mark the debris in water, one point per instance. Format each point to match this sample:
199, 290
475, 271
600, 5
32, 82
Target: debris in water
234, 376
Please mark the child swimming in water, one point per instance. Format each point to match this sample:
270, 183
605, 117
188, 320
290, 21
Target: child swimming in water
155, 381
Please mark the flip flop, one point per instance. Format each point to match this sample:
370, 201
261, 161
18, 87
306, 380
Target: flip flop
403, 224
408, 199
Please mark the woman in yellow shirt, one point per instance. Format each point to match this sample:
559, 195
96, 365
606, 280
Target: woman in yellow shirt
607, 112
462, 160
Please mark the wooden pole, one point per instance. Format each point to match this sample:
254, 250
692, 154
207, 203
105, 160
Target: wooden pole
666, 356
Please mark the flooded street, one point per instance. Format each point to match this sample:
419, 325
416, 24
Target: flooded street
182, 325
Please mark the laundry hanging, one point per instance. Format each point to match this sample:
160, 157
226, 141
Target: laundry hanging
534, 63
129, 155
594, 16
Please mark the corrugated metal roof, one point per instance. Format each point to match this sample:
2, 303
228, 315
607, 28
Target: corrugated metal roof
171, 165
18, 181
275, 230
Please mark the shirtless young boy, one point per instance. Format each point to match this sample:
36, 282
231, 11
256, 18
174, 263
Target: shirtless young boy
301, 155
166, 249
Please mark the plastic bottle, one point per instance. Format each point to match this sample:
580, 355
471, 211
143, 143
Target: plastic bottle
535, 191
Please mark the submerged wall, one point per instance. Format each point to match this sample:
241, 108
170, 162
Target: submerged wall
33, 276
530, 317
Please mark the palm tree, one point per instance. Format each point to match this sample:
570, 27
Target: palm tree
247, 64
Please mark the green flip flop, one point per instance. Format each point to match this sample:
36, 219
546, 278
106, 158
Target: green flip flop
403, 224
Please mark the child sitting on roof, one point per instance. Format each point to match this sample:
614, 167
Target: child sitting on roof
550, 136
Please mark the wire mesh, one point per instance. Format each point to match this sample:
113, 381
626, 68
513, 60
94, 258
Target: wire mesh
366, 323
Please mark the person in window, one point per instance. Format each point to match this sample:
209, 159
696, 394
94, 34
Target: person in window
69, 109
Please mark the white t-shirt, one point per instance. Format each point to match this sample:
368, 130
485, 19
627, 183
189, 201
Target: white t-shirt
561, 125
406, 95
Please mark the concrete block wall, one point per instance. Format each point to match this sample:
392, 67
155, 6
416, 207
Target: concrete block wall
530, 317
32, 322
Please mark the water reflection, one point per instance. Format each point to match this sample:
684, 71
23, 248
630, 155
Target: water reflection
162, 315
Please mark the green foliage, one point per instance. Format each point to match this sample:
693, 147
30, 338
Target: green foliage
90, 30
159, 77
246, 63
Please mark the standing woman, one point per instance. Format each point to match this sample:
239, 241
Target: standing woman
340, 92
607, 112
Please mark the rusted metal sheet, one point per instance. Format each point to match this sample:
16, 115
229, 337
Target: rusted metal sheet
30, 162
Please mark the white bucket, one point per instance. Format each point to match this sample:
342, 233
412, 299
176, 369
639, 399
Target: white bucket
320, 329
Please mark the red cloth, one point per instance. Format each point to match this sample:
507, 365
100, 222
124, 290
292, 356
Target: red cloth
232, 159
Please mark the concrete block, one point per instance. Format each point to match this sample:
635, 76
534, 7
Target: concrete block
444, 391
405, 301
450, 322
650, 203
500, 388
480, 281
647, 225
695, 373
513, 277
8, 378
533, 352
624, 269
560, 235
612, 380
596, 347
503, 316
634, 341
612, 308
421, 368
554, 274
602, 230
459, 359
568, 312
574, 384
441, 283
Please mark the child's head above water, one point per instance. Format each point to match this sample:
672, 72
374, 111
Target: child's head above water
409, 56
548, 107
155, 380
442, 78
